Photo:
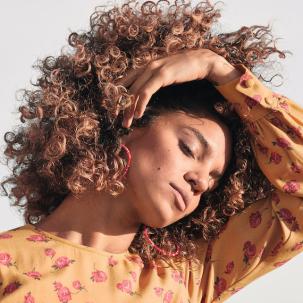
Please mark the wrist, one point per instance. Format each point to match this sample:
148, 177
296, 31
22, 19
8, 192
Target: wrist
222, 72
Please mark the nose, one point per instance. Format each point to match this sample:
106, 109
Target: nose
199, 183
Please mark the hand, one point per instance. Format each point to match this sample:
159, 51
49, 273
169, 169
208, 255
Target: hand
181, 67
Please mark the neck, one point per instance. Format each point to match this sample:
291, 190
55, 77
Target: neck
95, 219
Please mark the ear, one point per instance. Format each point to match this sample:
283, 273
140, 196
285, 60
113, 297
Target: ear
132, 136
124, 140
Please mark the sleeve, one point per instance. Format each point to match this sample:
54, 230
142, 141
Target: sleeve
269, 232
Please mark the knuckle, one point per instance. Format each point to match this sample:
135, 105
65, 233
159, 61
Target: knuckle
153, 64
131, 90
144, 93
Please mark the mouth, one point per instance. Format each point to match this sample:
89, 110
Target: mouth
181, 197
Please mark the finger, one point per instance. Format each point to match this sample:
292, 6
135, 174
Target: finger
127, 81
129, 113
135, 90
130, 77
140, 81
148, 89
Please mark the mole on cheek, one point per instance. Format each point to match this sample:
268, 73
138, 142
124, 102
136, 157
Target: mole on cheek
158, 168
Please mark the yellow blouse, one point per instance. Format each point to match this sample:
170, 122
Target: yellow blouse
38, 267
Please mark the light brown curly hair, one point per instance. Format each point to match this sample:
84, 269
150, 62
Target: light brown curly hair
72, 139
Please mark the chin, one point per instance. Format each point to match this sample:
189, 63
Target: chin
160, 211
162, 221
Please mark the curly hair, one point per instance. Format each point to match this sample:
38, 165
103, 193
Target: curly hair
72, 138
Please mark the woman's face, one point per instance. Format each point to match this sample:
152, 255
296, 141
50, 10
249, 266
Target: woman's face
174, 151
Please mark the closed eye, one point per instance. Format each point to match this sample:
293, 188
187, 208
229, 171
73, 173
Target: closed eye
185, 149
188, 152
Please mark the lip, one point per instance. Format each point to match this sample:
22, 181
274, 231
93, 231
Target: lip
182, 194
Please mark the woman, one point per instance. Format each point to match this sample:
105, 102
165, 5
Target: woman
145, 149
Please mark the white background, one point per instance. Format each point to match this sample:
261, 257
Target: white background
32, 29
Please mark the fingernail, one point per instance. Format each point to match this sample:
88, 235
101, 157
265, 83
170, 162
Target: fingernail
137, 114
126, 124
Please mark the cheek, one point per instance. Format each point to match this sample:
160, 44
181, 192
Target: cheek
154, 161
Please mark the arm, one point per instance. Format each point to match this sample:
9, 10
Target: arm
270, 232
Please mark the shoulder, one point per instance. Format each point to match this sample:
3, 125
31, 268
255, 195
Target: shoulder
18, 247
9, 237
16, 241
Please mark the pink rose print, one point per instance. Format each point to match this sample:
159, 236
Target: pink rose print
178, 277
257, 98
112, 262
249, 251
11, 287
297, 246
275, 198
98, 276
278, 264
57, 285
168, 297
5, 236
243, 80
64, 294
284, 105
134, 276
282, 142
5, 259
77, 285
158, 291
62, 262
37, 238
29, 298
262, 149
229, 267
125, 286
276, 248
33, 274
49, 252
294, 131
276, 122
295, 168
220, 286
275, 158
287, 217
291, 186
253, 101
255, 219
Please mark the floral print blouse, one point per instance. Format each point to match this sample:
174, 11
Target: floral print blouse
39, 267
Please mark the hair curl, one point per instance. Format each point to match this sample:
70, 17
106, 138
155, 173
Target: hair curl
71, 141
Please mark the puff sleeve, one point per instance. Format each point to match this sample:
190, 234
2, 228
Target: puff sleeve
269, 232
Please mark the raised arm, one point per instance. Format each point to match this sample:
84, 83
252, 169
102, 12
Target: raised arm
269, 232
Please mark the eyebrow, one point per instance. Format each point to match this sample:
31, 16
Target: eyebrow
205, 144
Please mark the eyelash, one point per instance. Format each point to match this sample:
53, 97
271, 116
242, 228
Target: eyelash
185, 148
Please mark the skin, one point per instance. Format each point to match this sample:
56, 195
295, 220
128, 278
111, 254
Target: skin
159, 157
